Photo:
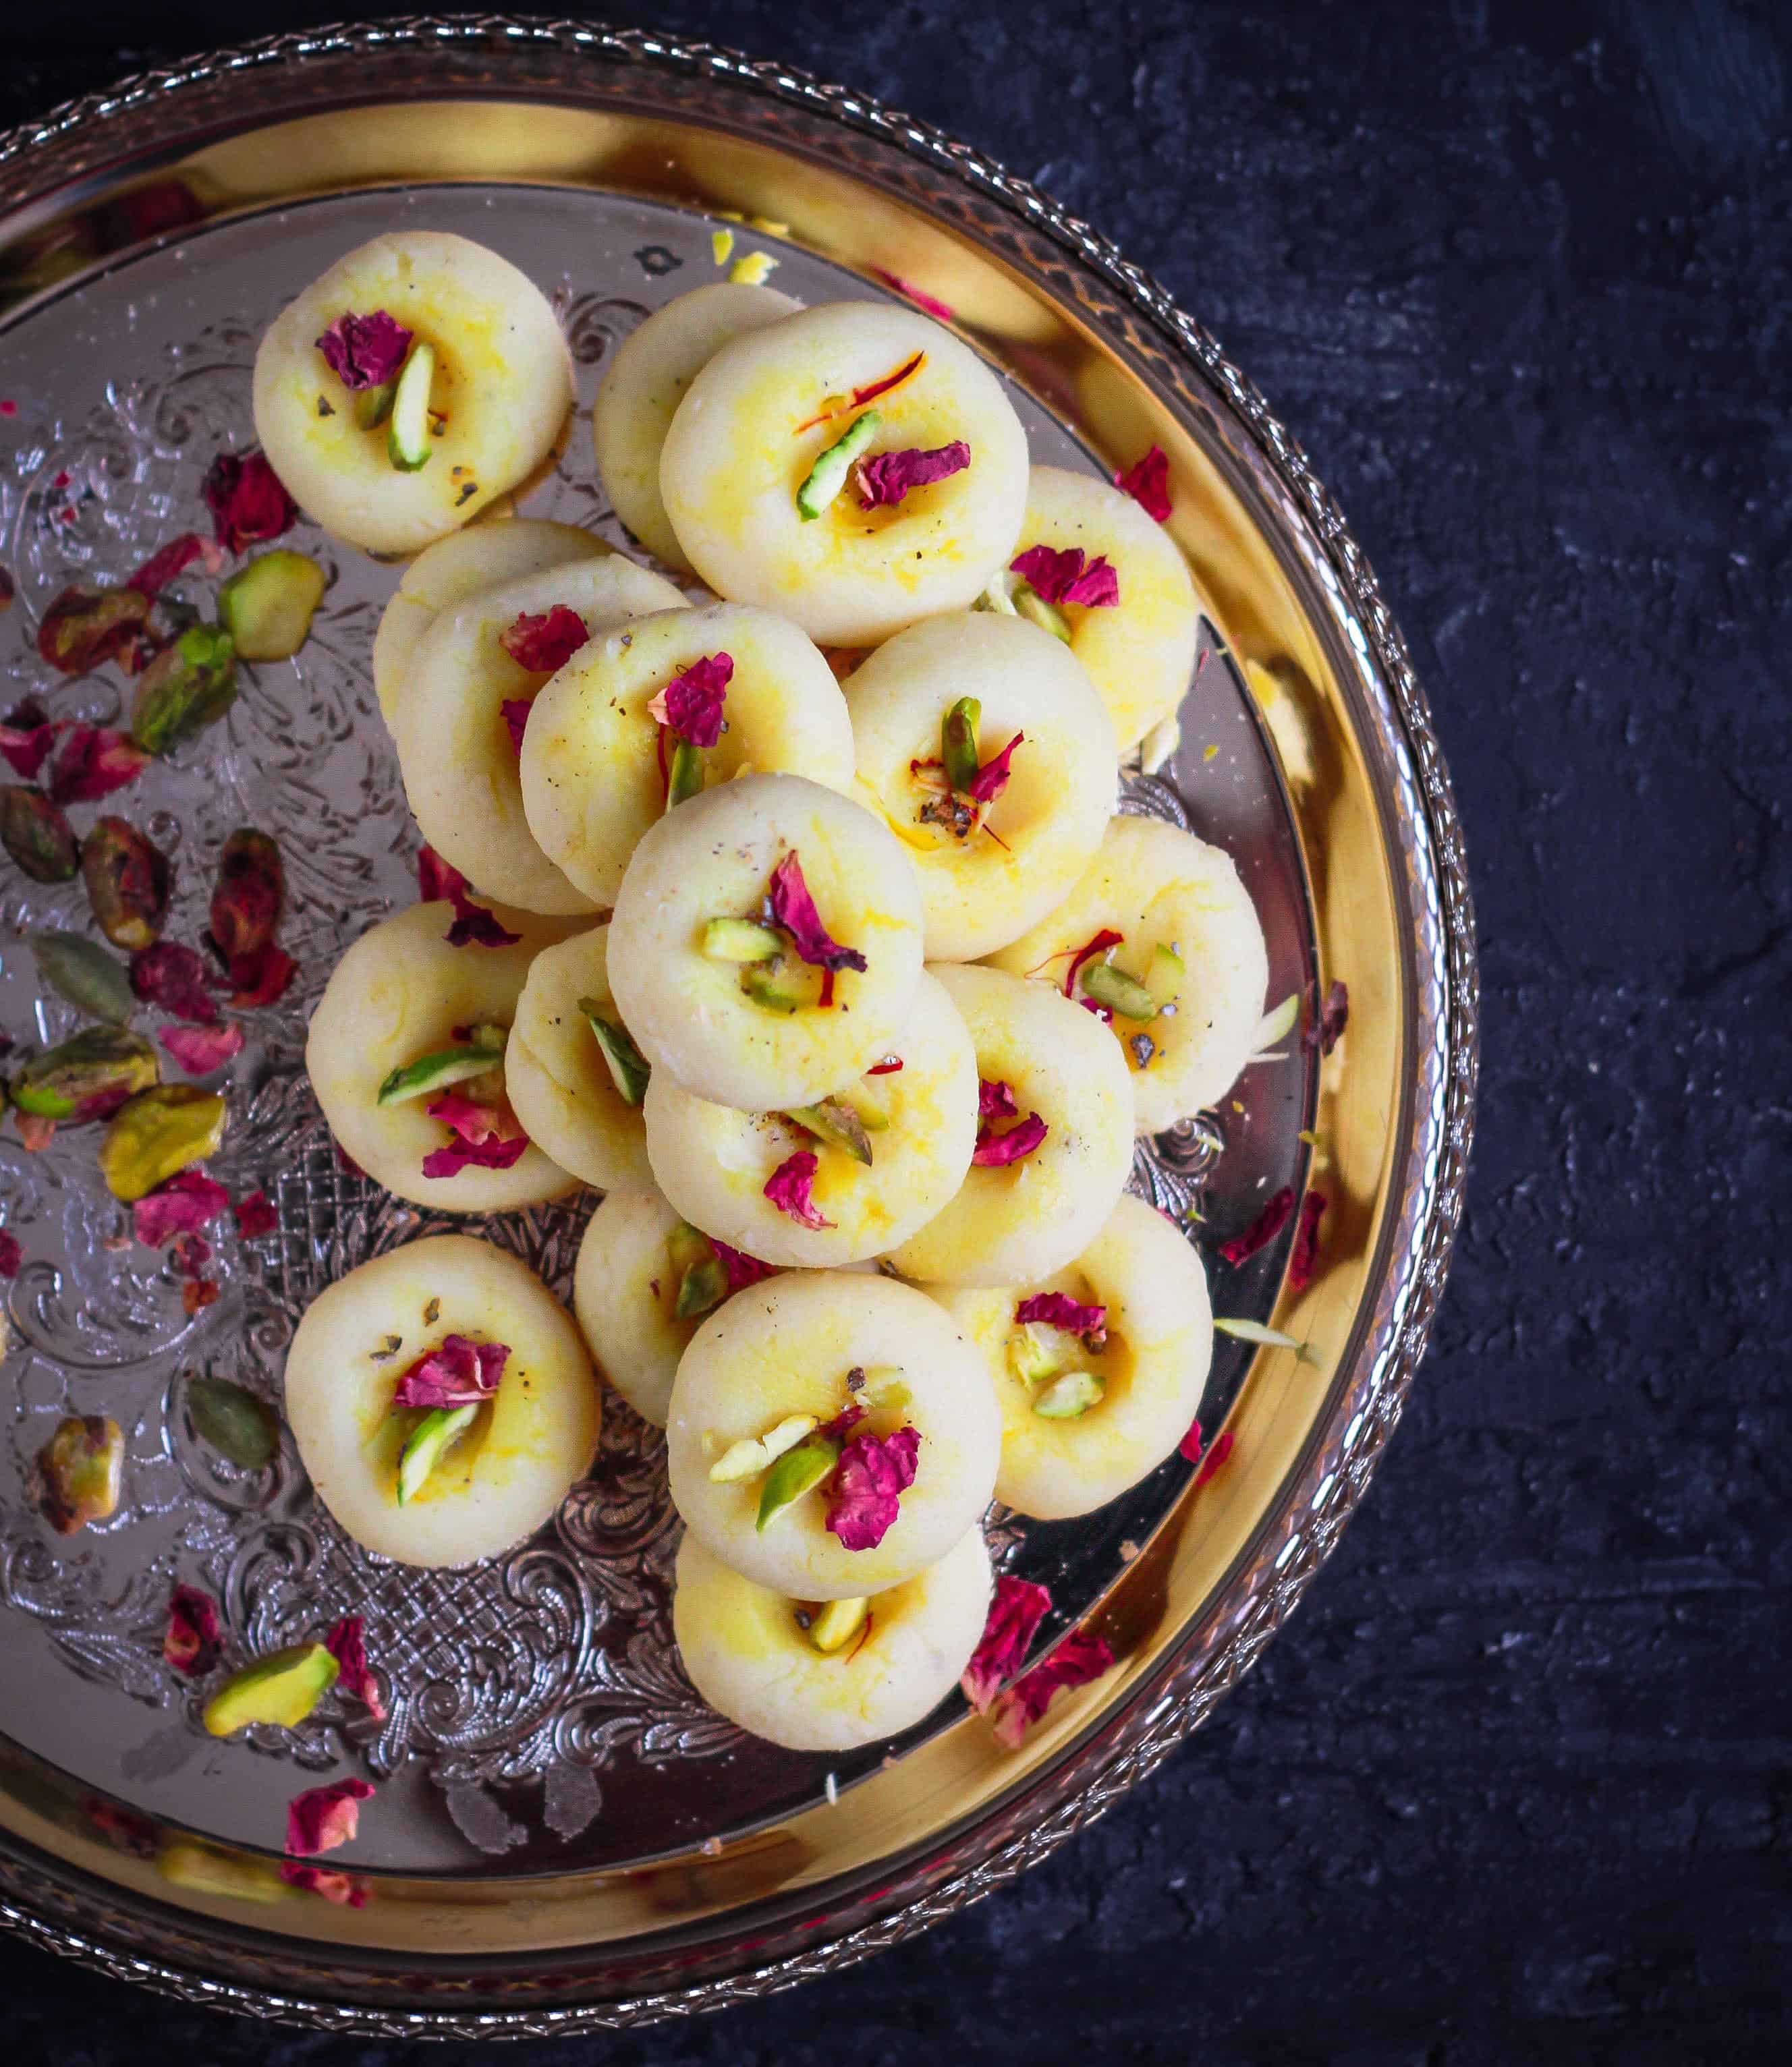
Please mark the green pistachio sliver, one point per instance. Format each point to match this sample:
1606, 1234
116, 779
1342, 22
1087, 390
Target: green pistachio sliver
1036, 1353
740, 941
408, 427
837, 1622
80, 970
436, 1071
958, 733
760, 981
701, 1288
1276, 1023
373, 405
685, 779
998, 596
754, 1454
835, 1124
827, 476
1118, 991
426, 1445
798, 1470
628, 1067
1254, 1331
1030, 604
1068, 1396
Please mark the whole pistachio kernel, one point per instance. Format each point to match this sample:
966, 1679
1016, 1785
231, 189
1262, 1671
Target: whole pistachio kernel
156, 1133
75, 1479
87, 1077
281, 1688
36, 834
186, 687
267, 607
250, 895
836, 1622
127, 879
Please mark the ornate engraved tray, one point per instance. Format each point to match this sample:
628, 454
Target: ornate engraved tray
566, 1837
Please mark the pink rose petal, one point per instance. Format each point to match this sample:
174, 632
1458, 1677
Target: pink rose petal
992, 777
996, 1151
1058, 1310
884, 480
346, 1643
793, 911
460, 1373
1016, 1612
1329, 1022
323, 1817
742, 1269
342, 1888
201, 1050
483, 1156
12, 1256
365, 351
995, 1099
248, 500
1304, 1254
439, 880
1105, 938
255, 1217
26, 736
691, 704
193, 1640
182, 1205
1068, 576
173, 979
1148, 481
1217, 1457
940, 312
789, 1189
545, 643
1075, 1661
516, 711
163, 565
473, 1122
1263, 1230
864, 1494
1192, 1443
94, 762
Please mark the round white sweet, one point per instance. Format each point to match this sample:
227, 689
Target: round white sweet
1154, 1367
455, 750
594, 759
646, 381
485, 556
758, 417
1140, 652
712, 858
506, 1475
1156, 884
982, 887
785, 1347
623, 1293
398, 994
502, 388
554, 1074
748, 1657
1025, 1219
712, 1161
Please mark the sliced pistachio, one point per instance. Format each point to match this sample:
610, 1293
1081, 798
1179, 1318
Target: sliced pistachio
827, 476
754, 1454
128, 879
156, 1133
887, 1388
80, 970
800, 1470
436, 1071
1276, 1023
87, 1076
267, 607
408, 427
373, 405
34, 832
685, 779
1118, 991
237, 1424
1254, 1331
1036, 1353
281, 1688
740, 941
1068, 1396
75, 1479
764, 983
187, 686
836, 1622
1030, 604
1165, 978
426, 1445
958, 741
999, 595
834, 1122
628, 1067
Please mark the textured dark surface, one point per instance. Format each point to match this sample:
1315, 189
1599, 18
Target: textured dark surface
1516, 1786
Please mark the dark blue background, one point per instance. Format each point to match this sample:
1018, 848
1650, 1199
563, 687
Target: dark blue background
1515, 1787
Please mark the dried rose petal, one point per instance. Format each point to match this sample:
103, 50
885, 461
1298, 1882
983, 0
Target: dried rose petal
459, 1155
996, 1151
189, 1253
163, 565
346, 1643
516, 711
183, 1204
1068, 576
1304, 1254
1075, 1660
34, 1130
94, 762
460, 1373
545, 642
992, 777
1217, 1457
1148, 481
26, 736
173, 979
199, 1292
793, 909
87, 625
691, 704
323, 1817
1058, 1310
12, 1256
261, 978
201, 1050
437, 880
1263, 1230
341, 1888
995, 1099
940, 312
365, 351
742, 1269
474, 926
1106, 938
1192, 1443
884, 480
1015, 1614
194, 1639
255, 1215
473, 1122
864, 1497
789, 1186
1326, 1026
247, 499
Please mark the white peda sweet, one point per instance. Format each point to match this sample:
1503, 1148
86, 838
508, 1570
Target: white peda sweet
1190, 934
1023, 1219
555, 1074
455, 748
752, 1659
917, 1124
765, 408
398, 994
596, 762
646, 381
511, 1467
787, 1347
485, 556
987, 872
500, 396
1141, 651
755, 1034
625, 1292
1152, 1370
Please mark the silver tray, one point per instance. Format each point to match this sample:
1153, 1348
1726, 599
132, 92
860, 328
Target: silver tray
565, 1835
